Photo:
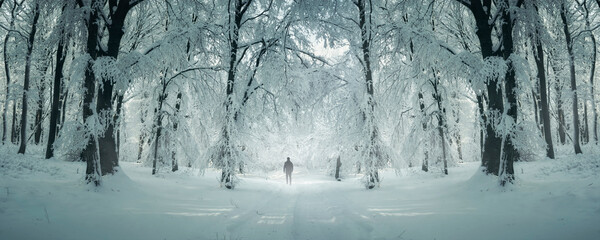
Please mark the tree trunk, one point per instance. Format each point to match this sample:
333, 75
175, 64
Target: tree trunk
372, 161
14, 136
40, 105
7, 98
536, 109
63, 109
226, 163
116, 120
441, 116
56, 92
492, 143
585, 137
482, 125
569, 40
458, 137
156, 138
37, 136
545, 108
559, 104
510, 87
174, 164
107, 148
338, 166
425, 165
158, 125
142, 137
90, 153
498, 151
8, 80
593, 71
538, 51
30, 42
592, 75
109, 158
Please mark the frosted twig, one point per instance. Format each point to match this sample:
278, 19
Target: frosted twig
47, 218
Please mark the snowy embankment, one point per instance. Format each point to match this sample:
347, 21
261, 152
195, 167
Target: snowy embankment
552, 199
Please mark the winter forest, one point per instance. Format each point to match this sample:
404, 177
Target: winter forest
404, 119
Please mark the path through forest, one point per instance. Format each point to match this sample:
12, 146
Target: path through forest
47, 200
313, 207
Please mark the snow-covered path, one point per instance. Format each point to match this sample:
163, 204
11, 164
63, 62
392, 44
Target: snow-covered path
311, 208
46, 200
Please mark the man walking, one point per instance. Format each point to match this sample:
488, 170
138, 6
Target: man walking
288, 168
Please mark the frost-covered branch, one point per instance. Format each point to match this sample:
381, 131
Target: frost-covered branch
263, 13
311, 55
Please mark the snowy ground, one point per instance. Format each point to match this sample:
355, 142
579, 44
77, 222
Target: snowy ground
552, 199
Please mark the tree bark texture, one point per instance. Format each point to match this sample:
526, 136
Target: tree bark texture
569, 40
90, 152
372, 162
106, 141
56, 92
174, 164
7, 98
30, 41
225, 162
499, 153
544, 106
159, 128
425, 164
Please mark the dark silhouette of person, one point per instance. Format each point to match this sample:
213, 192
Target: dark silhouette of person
288, 168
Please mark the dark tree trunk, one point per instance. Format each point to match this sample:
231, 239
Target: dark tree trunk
116, 120
510, 87
592, 74
492, 143
14, 136
40, 104
559, 104
7, 98
30, 42
106, 142
37, 136
585, 137
8, 80
545, 108
56, 92
174, 164
90, 152
482, 125
225, 162
156, 138
536, 109
63, 107
424, 120
142, 137
569, 40
458, 137
158, 125
497, 158
108, 148
338, 166
372, 161
441, 116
